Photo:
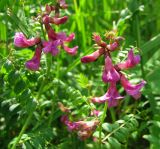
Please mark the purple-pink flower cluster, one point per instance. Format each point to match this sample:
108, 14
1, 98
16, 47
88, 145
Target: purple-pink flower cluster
112, 73
55, 40
83, 128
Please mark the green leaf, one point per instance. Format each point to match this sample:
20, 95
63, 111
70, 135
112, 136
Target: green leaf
114, 143
13, 107
148, 46
8, 65
82, 80
19, 87
13, 77
124, 131
120, 136
134, 122
115, 125
107, 127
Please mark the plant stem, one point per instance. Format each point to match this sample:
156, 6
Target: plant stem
112, 114
22, 130
102, 120
116, 129
38, 96
138, 37
28, 118
55, 89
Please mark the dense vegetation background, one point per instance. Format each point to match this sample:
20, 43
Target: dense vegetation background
23, 91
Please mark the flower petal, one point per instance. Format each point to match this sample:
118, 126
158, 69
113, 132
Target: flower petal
92, 57
52, 47
34, 63
112, 96
113, 46
62, 4
58, 21
133, 90
70, 37
71, 51
131, 61
110, 74
21, 41
61, 36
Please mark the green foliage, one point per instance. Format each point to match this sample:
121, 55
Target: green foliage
35, 94
120, 131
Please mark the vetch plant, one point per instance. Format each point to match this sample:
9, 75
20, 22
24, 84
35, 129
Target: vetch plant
55, 40
112, 73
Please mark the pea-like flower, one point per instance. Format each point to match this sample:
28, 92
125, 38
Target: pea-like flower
103, 49
133, 90
84, 129
34, 63
21, 41
110, 74
92, 57
55, 40
111, 96
132, 61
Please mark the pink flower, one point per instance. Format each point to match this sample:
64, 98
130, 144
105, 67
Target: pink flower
51, 47
113, 46
71, 51
95, 113
133, 90
112, 96
57, 21
70, 37
48, 9
84, 129
97, 38
54, 20
92, 57
131, 61
110, 74
34, 63
56, 40
21, 41
62, 4
52, 35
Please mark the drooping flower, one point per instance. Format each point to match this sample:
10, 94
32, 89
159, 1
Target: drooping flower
71, 51
34, 63
21, 41
51, 47
57, 40
111, 96
110, 74
92, 57
84, 129
131, 61
55, 20
133, 90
